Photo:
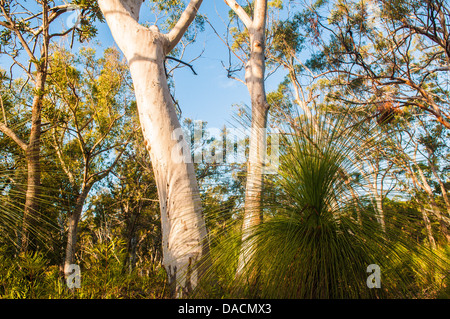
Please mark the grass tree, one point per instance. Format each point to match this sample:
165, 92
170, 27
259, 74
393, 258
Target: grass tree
323, 234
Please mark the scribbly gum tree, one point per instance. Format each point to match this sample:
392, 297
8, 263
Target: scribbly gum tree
183, 226
254, 80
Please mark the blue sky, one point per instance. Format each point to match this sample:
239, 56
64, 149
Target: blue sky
209, 95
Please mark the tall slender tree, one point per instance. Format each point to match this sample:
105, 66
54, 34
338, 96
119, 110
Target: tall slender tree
89, 99
183, 226
26, 29
255, 81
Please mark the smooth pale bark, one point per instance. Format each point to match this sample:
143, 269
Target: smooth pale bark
425, 218
254, 79
183, 227
427, 223
434, 206
300, 101
379, 207
441, 185
74, 218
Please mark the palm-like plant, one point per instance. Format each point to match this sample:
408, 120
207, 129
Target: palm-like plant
321, 237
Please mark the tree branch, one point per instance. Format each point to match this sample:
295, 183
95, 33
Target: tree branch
61, 160
7, 131
240, 12
100, 175
259, 18
224, 42
177, 32
13, 27
3, 110
182, 62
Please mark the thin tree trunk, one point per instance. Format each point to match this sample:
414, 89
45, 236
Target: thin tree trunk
254, 79
441, 185
132, 247
380, 211
74, 218
31, 214
183, 227
131, 221
434, 205
427, 223
253, 214
356, 201
425, 217
301, 102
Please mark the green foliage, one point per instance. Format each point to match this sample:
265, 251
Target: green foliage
321, 225
30, 276
319, 239
24, 276
90, 13
5, 37
167, 14
275, 4
102, 276
286, 38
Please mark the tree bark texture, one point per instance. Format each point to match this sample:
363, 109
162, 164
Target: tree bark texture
33, 152
434, 206
183, 227
32, 155
74, 218
254, 79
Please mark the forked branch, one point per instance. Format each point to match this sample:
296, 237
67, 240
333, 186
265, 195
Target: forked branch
10, 133
177, 32
240, 12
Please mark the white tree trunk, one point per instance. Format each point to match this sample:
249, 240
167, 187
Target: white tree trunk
378, 198
441, 185
427, 223
72, 231
434, 206
254, 79
183, 227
